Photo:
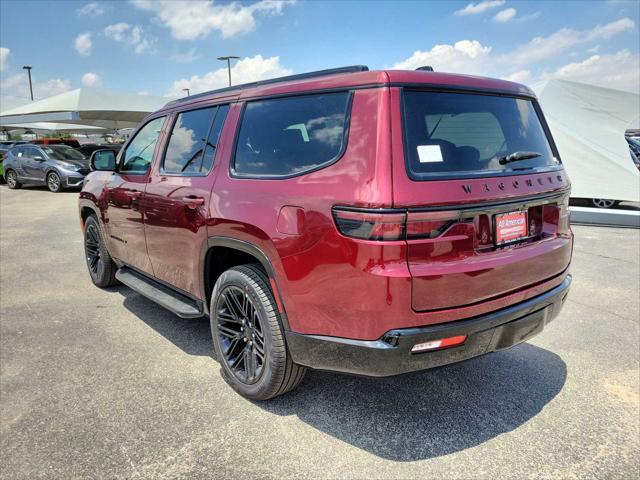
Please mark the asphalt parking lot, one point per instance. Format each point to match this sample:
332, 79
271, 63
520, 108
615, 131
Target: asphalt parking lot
105, 384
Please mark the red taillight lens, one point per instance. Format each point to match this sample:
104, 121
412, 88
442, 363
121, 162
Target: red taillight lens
429, 224
369, 225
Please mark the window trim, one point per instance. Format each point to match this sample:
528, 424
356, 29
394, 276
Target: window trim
176, 113
425, 177
335, 159
123, 151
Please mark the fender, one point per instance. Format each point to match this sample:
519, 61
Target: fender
253, 250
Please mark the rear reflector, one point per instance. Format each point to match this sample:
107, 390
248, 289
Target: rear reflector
439, 344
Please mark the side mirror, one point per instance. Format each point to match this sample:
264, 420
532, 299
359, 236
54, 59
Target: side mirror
38, 158
104, 160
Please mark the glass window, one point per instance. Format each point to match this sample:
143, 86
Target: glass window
469, 133
289, 136
32, 152
193, 141
139, 153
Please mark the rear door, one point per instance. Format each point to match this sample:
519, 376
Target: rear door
33, 162
124, 212
178, 194
478, 226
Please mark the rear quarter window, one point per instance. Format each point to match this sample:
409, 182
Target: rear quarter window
290, 136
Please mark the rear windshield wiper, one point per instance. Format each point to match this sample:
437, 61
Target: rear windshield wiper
517, 156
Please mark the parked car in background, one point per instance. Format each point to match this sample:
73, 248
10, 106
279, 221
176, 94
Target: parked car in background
88, 148
56, 166
10, 143
71, 142
634, 148
3, 154
373, 223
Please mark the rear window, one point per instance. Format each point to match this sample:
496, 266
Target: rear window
452, 134
289, 136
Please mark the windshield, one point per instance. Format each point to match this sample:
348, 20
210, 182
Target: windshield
63, 153
463, 133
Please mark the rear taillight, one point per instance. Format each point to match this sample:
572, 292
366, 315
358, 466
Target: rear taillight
369, 225
389, 226
429, 224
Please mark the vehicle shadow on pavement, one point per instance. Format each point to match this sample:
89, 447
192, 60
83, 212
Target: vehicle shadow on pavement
404, 418
193, 336
428, 414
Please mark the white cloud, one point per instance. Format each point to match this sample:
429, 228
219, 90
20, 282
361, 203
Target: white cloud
91, 79
620, 70
245, 70
94, 9
4, 55
189, 20
476, 8
505, 15
133, 35
83, 44
465, 56
143, 92
15, 89
541, 48
521, 76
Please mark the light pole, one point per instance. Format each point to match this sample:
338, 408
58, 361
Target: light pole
28, 69
187, 90
228, 59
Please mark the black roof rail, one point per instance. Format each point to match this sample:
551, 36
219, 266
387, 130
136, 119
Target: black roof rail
288, 78
426, 68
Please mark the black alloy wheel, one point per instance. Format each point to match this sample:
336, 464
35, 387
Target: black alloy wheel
248, 337
241, 334
101, 267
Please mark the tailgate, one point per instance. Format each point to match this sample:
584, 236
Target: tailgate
465, 259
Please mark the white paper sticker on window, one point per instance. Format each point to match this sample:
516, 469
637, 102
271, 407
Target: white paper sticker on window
429, 153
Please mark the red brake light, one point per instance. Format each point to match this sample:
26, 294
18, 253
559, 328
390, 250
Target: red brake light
439, 344
369, 225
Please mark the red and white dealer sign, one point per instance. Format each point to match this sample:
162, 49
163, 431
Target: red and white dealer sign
510, 227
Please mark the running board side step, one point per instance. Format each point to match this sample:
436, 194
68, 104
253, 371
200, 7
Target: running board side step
166, 297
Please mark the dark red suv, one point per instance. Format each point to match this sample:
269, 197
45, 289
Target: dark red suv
369, 222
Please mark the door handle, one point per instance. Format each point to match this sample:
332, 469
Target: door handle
193, 202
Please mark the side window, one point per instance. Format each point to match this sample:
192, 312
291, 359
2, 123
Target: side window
193, 141
289, 136
139, 153
30, 152
18, 152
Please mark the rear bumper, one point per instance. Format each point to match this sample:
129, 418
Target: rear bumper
391, 354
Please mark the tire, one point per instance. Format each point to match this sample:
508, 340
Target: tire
603, 203
237, 343
102, 268
12, 180
54, 183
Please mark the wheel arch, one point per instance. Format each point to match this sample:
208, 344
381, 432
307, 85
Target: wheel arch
209, 271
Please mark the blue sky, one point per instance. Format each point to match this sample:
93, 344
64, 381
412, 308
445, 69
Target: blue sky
159, 48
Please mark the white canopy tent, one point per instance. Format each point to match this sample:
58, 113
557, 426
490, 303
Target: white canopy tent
588, 125
86, 106
43, 127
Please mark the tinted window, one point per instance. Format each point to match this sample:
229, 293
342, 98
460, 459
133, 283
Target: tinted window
32, 152
139, 153
468, 133
288, 136
192, 144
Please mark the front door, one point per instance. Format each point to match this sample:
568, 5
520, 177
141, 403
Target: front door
177, 197
124, 213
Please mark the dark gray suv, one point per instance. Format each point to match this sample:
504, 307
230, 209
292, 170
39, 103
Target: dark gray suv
56, 166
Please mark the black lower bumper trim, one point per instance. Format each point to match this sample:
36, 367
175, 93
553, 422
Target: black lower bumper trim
391, 355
